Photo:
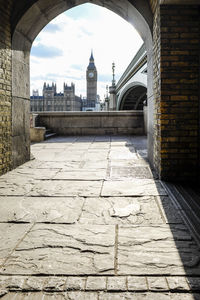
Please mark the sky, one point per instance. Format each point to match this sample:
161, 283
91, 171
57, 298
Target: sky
61, 51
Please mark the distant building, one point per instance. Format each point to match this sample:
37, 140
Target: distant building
68, 101
53, 101
91, 102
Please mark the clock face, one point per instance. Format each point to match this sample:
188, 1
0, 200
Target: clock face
91, 74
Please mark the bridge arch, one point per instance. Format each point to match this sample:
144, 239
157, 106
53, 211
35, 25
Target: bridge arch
28, 21
135, 91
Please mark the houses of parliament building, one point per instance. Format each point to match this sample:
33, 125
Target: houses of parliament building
67, 101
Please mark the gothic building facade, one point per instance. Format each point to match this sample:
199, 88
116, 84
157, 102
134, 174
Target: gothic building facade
53, 101
68, 101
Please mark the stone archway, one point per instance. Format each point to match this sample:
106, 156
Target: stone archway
26, 28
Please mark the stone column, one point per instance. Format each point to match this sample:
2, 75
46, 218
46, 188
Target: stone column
112, 102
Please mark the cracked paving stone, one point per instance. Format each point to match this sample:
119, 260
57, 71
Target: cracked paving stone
35, 283
86, 175
135, 187
30, 173
157, 250
66, 188
16, 186
40, 209
177, 283
121, 210
57, 284
12, 282
157, 284
10, 236
76, 283
64, 249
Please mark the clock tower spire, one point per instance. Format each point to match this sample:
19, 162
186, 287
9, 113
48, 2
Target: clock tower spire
91, 75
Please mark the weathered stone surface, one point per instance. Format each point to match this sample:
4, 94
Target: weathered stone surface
114, 154
22, 175
35, 283
100, 145
135, 187
92, 175
82, 296
137, 283
66, 188
76, 283
12, 283
41, 209
57, 284
127, 163
157, 250
121, 210
96, 283
117, 283
123, 173
169, 212
10, 236
177, 283
64, 249
16, 186
96, 164
135, 296
194, 283
157, 284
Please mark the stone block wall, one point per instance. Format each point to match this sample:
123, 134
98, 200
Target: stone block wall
176, 87
5, 88
94, 123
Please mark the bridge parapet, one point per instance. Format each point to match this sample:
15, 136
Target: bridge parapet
97, 123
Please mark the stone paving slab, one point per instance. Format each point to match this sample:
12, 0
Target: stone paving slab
136, 284
128, 163
157, 249
20, 175
125, 173
10, 236
95, 230
101, 296
114, 154
121, 210
86, 175
95, 164
134, 187
17, 186
60, 188
64, 249
41, 209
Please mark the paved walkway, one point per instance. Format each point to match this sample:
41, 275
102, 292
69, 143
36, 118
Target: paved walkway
85, 220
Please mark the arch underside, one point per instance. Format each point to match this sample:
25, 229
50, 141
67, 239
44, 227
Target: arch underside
134, 98
28, 25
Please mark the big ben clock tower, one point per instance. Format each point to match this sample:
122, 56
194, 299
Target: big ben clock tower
91, 75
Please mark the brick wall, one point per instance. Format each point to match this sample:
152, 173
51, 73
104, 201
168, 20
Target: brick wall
5, 88
177, 92
156, 88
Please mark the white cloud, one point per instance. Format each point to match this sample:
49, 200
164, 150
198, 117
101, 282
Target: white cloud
110, 37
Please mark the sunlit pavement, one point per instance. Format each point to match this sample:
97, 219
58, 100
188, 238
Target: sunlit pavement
86, 219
